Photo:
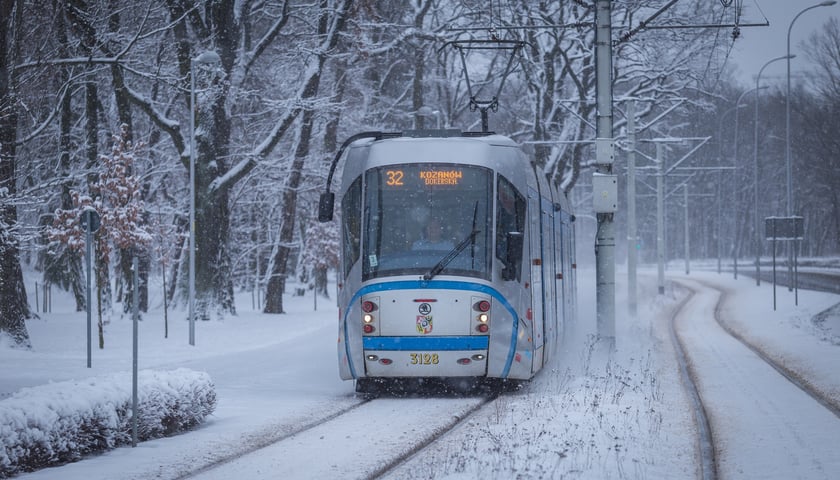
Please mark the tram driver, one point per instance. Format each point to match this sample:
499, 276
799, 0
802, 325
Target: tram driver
433, 237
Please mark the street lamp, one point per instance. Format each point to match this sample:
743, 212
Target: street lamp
426, 111
209, 57
788, 161
720, 182
734, 186
755, 173
787, 109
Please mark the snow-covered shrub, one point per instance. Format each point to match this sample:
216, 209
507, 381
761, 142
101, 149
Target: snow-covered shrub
61, 422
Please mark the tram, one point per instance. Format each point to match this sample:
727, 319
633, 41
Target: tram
457, 258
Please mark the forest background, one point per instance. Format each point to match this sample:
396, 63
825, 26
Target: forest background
96, 96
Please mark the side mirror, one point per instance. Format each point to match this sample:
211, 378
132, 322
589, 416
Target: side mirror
325, 207
513, 255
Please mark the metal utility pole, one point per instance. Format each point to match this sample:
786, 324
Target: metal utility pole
788, 168
90, 222
685, 218
605, 237
719, 200
632, 241
660, 214
734, 188
757, 221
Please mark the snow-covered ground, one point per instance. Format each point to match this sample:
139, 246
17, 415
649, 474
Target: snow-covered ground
592, 414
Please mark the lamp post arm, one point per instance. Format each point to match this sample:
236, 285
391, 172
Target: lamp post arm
788, 161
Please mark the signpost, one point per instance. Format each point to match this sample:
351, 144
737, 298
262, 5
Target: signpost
785, 229
135, 317
90, 221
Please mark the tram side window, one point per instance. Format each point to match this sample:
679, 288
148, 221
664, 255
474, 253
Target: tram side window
510, 228
351, 225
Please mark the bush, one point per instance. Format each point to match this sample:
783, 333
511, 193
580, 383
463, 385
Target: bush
61, 422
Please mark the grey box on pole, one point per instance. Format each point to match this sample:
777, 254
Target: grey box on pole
604, 193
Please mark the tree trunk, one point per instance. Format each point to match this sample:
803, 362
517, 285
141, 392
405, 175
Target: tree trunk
213, 279
61, 265
123, 104
14, 309
319, 279
279, 264
277, 280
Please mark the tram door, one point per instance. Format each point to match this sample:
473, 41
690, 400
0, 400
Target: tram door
537, 314
549, 269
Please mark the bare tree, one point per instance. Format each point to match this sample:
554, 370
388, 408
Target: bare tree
330, 24
14, 309
816, 145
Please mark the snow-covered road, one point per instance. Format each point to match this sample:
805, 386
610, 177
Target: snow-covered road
763, 425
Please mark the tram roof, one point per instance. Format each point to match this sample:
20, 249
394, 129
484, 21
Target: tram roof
491, 138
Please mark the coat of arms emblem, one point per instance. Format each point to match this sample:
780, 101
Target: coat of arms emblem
424, 324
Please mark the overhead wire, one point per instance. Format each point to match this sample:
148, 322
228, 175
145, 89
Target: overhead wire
734, 36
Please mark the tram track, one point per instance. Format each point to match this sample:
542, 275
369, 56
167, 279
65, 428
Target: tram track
705, 440
710, 394
269, 440
792, 376
389, 426
418, 448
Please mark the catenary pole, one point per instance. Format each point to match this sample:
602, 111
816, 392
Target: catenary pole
685, 224
632, 241
719, 200
735, 184
605, 237
660, 217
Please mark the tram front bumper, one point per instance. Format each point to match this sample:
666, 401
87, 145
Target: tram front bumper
441, 363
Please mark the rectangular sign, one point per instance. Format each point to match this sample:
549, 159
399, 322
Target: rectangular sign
784, 228
413, 175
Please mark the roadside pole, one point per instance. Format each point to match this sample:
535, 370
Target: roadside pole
605, 237
632, 241
90, 222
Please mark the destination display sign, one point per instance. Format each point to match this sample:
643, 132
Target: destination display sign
424, 175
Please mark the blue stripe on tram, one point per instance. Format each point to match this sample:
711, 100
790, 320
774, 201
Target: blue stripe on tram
427, 343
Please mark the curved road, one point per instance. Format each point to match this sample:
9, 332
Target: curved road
763, 425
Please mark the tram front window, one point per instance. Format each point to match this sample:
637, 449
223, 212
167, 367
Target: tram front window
415, 215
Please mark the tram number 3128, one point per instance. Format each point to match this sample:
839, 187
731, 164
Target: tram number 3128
424, 359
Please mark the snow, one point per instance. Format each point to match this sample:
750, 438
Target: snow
63, 421
592, 414
777, 444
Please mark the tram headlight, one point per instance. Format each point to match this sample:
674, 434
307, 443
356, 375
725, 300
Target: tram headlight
483, 318
367, 318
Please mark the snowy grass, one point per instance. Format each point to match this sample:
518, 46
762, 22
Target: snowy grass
62, 422
595, 413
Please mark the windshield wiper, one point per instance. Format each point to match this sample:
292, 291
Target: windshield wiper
451, 255
472, 250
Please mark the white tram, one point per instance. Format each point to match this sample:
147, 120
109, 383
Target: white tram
457, 258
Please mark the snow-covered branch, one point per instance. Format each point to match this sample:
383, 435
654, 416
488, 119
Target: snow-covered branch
171, 127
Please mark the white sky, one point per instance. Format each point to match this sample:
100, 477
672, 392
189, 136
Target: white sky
758, 45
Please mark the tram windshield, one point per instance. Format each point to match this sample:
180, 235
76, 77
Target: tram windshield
416, 216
